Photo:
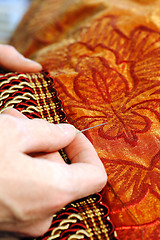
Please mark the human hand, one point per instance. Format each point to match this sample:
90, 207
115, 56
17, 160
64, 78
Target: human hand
35, 182
11, 59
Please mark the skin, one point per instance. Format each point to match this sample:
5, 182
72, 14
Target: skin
35, 182
12, 60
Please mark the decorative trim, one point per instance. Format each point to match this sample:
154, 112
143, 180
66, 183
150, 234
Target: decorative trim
16, 92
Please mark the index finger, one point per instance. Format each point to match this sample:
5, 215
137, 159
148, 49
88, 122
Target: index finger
12, 60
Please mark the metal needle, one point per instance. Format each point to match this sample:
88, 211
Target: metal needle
79, 131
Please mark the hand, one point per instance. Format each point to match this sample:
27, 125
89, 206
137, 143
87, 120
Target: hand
35, 182
11, 59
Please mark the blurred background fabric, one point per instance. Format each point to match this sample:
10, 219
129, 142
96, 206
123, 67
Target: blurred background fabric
11, 12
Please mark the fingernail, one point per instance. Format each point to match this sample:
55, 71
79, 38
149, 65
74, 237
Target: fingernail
66, 128
33, 62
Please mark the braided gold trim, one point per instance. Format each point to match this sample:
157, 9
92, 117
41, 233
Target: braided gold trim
4, 95
80, 234
36, 94
65, 224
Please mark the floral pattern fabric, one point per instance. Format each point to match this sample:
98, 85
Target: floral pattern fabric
108, 71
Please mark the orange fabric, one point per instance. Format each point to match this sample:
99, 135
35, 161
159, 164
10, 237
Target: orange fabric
105, 57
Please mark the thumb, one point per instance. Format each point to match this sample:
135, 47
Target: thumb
38, 135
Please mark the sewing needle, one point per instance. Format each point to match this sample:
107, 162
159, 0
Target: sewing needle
79, 131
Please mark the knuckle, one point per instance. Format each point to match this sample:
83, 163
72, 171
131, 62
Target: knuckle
9, 121
33, 230
23, 213
18, 214
12, 125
